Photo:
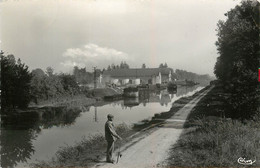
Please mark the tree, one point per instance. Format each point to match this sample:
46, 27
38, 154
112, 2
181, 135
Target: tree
38, 85
126, 66
109, 68
113, 66
69, 83
75, 70
236, 67
49, 71
82, 76
163, 65
122, 65
15, 83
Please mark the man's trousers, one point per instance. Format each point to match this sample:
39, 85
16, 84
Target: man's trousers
110, 150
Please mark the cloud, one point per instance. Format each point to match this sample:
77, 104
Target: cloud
91, 55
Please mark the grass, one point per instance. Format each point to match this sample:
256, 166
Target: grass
86, 152
211, 139
102, 92
76, 100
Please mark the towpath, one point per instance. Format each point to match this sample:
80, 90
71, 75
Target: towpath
151, 149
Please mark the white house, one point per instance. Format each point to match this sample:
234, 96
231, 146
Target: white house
137, 76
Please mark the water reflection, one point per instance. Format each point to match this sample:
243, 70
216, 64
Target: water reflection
16, 146
145, 96
19, 130
16, 138
38, 133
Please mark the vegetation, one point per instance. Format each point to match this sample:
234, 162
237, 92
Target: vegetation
239, 60
82, 76
184, 75
46, 86
212, 140
19, 86
15, 83
163, 65
103, 92
123, 65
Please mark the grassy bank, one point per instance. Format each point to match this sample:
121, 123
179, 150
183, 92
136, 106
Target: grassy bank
211, 139
91, 150
66, 100
160, 117
102, 92
85, 98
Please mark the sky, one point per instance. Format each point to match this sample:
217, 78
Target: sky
87, 33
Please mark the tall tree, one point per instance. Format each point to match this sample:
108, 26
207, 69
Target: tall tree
109, 68
49, 71
239, 60
69, 83
15, 83
38, 85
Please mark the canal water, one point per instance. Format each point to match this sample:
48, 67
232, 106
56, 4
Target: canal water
38, 134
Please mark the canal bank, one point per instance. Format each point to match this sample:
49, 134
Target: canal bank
211, 139
85, 98
89, 151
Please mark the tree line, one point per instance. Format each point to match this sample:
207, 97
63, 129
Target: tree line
239, 59
123, 65
19, 86
190, 76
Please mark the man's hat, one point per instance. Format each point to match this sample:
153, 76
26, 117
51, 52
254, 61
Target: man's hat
110, 116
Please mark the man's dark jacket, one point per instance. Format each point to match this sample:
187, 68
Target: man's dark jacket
110, 132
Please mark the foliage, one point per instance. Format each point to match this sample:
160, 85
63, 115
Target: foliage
123, 65
237, 65
163, 65
82, 76
69, 83
211, 140
15, 83
13, 152
184, 75
46, 86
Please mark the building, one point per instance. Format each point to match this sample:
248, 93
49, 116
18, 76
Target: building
136, 76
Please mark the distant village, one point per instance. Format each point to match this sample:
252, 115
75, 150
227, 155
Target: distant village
123, 75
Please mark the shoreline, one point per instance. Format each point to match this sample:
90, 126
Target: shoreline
89, 155
79, 99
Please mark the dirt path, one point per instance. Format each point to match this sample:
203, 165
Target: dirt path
151, 149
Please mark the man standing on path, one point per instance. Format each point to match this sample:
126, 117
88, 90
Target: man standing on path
111, 136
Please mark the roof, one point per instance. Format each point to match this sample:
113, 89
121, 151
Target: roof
141, 72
